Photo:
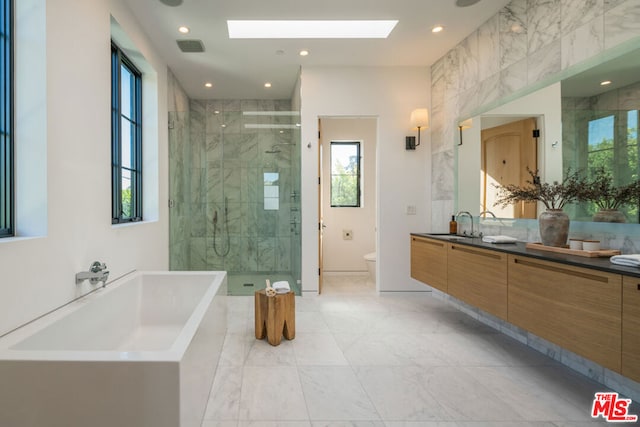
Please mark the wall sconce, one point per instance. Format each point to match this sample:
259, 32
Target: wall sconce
419, 120
466, 124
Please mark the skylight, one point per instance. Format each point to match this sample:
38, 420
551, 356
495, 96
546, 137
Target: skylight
366, 29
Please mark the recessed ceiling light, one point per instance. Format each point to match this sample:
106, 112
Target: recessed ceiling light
172, 3
267, 85
466, 3
304, 52
216, 112
364, 29
208, 84
437, 29
606, 82
184, 30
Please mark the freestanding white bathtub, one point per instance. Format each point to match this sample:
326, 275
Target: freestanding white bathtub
141, 352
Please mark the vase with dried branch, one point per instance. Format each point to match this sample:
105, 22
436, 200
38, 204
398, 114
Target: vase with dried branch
554, 222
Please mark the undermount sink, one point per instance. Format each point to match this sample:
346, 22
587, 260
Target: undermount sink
448, 236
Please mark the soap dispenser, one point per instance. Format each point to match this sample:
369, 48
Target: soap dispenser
453, 225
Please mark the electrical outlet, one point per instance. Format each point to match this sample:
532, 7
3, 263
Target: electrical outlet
411, 209
347, 235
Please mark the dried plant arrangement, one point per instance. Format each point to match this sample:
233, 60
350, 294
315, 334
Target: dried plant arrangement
553, 196
602, 191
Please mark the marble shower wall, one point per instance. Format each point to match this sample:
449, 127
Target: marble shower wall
227, 163
527, 41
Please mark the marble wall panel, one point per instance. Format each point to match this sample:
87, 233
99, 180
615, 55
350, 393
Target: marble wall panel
536, 39
583, 42
543, 23
488, 48
513, 78
544, 62
621, 23
576, 13
512, 31
442, 185
489, 90
468, 61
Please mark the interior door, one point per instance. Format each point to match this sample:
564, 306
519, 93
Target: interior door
321, 225
507, 152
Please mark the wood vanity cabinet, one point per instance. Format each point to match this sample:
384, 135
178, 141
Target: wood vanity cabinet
575, 308
429, 262
631, 327
479, 277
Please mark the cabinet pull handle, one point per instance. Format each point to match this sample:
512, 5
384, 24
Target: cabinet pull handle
471, 251
562, 270
429, 242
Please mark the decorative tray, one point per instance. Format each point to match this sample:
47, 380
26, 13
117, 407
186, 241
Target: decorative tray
566, 250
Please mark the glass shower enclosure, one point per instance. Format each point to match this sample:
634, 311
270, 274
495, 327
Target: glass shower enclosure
234, 168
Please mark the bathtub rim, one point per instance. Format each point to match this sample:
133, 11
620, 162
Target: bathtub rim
173, 354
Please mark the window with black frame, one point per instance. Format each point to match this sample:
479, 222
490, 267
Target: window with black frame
345, 174
126, 138
6, 119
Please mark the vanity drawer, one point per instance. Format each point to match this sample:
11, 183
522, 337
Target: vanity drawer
429, 262
479, 277
575, 308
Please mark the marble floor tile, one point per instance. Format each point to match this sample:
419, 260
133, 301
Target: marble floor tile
400, 393
264, 354
224, 399
235, 349
272, 393
334, 393
465, 398
317, 350
311, 321
394, 360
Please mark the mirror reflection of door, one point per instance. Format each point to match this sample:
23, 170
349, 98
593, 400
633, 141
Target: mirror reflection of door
507, 152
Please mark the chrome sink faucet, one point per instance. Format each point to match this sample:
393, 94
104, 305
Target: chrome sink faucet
97, 273
462, 213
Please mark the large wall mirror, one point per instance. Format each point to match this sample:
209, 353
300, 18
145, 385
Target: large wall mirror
582, 123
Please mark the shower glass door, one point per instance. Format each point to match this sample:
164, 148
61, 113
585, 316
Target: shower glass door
235, 191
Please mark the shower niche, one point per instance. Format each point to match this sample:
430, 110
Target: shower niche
234, 185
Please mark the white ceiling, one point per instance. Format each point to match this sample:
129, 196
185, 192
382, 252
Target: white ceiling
239, 68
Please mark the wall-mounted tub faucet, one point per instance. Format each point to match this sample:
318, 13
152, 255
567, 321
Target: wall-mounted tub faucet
97, 273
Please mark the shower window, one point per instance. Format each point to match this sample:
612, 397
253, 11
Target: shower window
271, 191
345, 174
6, 118
126, 136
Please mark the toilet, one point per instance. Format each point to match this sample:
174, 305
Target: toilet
370, 259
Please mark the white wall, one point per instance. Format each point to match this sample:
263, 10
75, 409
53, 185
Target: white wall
341, 254
38, 272
390, 94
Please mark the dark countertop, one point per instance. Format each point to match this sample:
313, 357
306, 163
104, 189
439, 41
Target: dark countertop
519, 248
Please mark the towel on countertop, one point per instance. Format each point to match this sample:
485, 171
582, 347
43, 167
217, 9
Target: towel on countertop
499, 239
630, 260
281, 287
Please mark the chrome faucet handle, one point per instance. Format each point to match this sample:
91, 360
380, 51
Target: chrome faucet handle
97, 267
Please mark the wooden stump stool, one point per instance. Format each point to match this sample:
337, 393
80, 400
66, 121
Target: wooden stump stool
275, 316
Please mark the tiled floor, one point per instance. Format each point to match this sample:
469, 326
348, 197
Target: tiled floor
395, 360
